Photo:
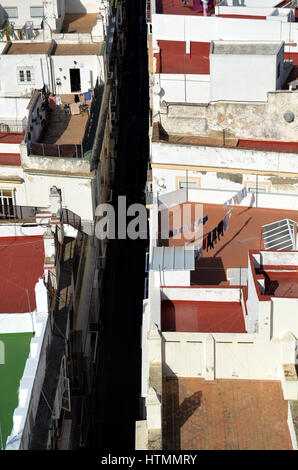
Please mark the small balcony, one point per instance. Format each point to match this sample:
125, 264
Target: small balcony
12, 212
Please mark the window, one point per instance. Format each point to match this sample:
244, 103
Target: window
191, 183
6, 202
28, 75
36, 12
260, 188
12, 12
25, 75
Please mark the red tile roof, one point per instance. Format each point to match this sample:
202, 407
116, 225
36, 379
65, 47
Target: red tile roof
250, 17
224, 415
203, 317
176, 7
172, 54
11, 137
10, 159
22, 260
281, 284
272, 145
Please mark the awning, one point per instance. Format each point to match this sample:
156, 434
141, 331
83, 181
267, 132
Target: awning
173, 258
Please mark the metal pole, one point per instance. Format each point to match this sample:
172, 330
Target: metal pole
186, 185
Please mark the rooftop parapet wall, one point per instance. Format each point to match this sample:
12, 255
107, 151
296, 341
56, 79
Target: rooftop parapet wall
206, 29
243, 120
236, 356
67, 166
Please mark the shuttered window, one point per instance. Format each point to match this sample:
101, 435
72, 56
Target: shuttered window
36, 12
12, 12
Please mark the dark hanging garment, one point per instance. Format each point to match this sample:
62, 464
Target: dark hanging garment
209, 241
214, 235
77, 99
220, 229
205, 219
204, 243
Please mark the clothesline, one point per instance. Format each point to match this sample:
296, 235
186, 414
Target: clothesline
237, 199
185, 228
211, 237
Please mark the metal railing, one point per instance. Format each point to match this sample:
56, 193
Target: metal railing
70, 218
56, 150
148, 11
17, 212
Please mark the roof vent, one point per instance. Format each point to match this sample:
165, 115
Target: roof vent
289, 116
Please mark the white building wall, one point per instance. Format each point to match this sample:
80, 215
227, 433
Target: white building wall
252, 303
82, 6
75, 192
23, 11
284, 316
184, 88
194, 294
9, 65
13, 111
92, 63
220, 190
223, 157
206, 29
242, 77
240, 356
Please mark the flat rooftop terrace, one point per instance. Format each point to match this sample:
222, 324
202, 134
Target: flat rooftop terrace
231, 251
79, 23
63, 127
17, 349
176, 7
281, 284
217, 139
204, 317
224, 415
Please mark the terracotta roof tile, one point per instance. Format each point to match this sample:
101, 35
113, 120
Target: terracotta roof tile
224, 415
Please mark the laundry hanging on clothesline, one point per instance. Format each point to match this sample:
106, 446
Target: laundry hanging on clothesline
214, 235
186, 228
237, 199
